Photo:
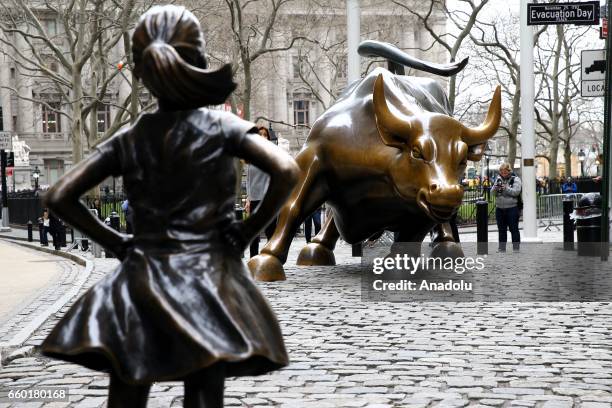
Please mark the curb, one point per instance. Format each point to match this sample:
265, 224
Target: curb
13, 348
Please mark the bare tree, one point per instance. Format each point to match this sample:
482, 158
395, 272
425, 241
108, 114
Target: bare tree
463, 18
249, 31
557, 67
74, 50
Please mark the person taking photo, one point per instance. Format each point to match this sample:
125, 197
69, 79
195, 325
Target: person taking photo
507, 190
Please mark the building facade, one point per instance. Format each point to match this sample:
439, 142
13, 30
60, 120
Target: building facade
291, 88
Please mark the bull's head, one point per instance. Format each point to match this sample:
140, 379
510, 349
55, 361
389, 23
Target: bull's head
433, 150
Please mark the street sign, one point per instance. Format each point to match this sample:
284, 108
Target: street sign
592, 72
584, 12
5, 141
603, 30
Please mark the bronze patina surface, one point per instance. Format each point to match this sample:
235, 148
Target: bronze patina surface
386, 156
181, 305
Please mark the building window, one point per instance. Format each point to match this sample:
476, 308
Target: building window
50, 26
13, 73
301, 112
50, 63
14, 123
342, 67
104, 118
51, 118
417, 36
53, 170
1, 120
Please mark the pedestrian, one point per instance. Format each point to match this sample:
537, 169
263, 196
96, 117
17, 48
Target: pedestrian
257, 185
55, 226
314, 218
181, 305
486, 184
569, 187
95, 205
127, 212
507, 188
46, 229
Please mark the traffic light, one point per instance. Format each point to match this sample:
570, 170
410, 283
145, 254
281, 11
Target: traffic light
7, 159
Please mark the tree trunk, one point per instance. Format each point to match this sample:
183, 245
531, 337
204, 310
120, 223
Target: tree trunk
248, 88
92, 135
77, 118
567, 157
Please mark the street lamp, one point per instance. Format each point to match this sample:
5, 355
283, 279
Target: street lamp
581, 157
36, 176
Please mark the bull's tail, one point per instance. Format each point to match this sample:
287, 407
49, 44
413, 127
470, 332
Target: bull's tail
370, 48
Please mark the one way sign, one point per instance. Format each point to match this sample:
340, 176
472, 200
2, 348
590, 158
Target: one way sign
592, 72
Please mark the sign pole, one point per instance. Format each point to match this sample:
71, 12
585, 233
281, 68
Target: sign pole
607, 154
530, 226
5, 213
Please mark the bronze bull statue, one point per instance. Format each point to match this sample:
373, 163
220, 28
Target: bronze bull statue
386, 156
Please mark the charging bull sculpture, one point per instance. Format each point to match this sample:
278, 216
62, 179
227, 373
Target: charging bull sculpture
386, 156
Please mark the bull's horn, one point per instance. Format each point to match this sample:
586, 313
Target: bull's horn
394, 128
482, 133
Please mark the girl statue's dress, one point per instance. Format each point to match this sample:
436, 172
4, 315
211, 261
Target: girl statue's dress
182, 298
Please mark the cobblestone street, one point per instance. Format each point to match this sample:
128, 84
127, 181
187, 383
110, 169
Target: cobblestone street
349, 353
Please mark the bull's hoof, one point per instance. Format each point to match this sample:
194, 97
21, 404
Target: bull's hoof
266, 268
316, 254
447, 249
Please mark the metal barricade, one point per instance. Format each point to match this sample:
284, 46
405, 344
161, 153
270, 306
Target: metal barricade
550, 209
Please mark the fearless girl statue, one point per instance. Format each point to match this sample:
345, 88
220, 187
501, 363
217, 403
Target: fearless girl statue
181, 306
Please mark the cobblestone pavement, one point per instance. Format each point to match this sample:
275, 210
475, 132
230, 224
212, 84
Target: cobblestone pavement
349, 353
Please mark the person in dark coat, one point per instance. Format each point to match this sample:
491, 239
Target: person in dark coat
181, 305
55, 226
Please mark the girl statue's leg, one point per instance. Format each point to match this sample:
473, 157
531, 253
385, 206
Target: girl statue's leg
122, 395
204, 389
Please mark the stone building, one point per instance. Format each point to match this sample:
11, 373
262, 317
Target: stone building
291, 88
305, 80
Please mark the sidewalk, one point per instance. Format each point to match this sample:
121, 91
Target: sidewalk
23, 274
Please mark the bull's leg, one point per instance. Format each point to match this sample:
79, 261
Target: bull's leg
444, 242
321, 250
305, 198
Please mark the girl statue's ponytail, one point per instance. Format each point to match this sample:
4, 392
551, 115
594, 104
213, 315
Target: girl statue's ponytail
168, 50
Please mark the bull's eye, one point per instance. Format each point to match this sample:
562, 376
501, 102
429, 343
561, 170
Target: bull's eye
416, 153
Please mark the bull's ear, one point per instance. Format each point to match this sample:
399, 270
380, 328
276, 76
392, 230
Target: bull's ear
395, 128
475, 152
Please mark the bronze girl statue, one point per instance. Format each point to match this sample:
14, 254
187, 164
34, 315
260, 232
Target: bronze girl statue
182, 305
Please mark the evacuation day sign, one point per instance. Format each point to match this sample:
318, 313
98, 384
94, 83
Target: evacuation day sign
585, 12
